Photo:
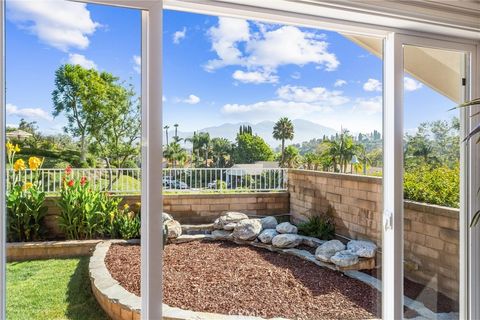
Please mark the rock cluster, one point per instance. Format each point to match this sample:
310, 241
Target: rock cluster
334, 251
174, 227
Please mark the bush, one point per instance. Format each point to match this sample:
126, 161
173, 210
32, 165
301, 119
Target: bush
440, 186
319, 226
125, 223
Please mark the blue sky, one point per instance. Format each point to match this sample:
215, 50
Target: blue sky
216, 70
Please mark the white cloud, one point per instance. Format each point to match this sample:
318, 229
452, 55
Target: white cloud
137, 63
296, 75
340, 83
368, 106
60, 24
317, 95
410, 84
264, 51
179, 35
254, 77
34, 113
372, 85
192, 99
75, 58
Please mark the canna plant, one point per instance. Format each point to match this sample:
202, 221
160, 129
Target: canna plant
25, 203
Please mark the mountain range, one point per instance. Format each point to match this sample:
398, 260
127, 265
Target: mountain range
304, 130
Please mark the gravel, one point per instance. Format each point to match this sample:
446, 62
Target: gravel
226, 278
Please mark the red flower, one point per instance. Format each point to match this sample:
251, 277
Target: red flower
68, 170
71, 183
83, 181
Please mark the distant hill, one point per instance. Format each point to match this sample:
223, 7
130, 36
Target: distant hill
304, 130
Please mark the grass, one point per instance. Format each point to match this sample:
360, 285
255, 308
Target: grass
51, 289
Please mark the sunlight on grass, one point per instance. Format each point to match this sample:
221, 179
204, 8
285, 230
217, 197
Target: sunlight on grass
51, 289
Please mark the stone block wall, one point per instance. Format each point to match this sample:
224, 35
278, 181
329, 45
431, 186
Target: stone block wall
431, 233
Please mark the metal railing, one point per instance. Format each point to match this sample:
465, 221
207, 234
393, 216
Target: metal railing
128, 181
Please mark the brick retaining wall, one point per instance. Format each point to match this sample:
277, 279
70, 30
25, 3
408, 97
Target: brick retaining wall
431, 233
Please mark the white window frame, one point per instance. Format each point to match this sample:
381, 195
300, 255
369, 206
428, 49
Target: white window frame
151, 277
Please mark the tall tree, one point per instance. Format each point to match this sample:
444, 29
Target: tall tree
250, 148
175, 154
166, 132
176, 131
77, 92
283, 130
221, 152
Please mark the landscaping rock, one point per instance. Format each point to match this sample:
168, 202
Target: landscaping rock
247, 229
269, 223
286, 227
312, 241
327, 250
344, 258
229, 226
362, 248
267, 235
174, 229
221, 235
227, 218
286, 241
166, 217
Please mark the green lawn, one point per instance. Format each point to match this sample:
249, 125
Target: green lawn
51, 289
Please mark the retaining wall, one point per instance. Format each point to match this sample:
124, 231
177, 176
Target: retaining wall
431, 233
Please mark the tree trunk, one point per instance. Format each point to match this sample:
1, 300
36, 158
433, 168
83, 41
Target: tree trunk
283, 152
83, 149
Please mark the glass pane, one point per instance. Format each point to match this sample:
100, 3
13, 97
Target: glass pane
432, 86
236, 91
73, 171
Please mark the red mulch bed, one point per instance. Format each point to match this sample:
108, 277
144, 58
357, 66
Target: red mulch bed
226, 278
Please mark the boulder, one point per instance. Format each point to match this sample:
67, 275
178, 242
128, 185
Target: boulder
269, 223
229, 226
247, 229
312, 241
267, 235
362, 248
227, 218
286, 240
286, 227
174, 228
325, 251
166, 217
221, 235
344, 258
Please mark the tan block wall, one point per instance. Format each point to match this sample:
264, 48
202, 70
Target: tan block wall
431, 233
196, 208
20, 251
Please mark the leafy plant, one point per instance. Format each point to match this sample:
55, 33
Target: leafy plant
25, 203
124, 223
319, 226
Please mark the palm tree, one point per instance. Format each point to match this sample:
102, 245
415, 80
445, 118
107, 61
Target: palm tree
283, 130
200, 145
176, 128
221, 151
175, 153
166, 132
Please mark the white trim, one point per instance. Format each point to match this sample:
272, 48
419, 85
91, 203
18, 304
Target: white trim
392, 247
3, 209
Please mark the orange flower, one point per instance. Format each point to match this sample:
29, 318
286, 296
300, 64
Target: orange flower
34, 163
19, 165
27, 186
68, 170
71, 183
83, 180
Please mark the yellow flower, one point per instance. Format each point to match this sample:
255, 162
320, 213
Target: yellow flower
27, 186
17, 148
19, 165
10, 147
34, 163
126, 206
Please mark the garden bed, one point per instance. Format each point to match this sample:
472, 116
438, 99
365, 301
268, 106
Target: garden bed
225, 278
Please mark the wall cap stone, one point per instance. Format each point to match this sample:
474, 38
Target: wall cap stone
336, 175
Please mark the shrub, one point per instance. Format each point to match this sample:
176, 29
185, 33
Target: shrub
25, 203
319, 226
440, 186
124, 223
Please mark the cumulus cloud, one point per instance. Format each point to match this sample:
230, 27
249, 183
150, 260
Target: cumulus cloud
75, 58
372, 85
410, 84
192, 99
340, 83
179, 35
137, 63
60, 24
254, 77
317, 95
35, 113
368, 105
264, 51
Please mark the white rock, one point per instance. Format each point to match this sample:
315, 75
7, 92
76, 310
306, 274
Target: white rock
344, 258
221, 235
286, 240
286, 227
362, 248
247, 229
174, 229
267, 235
229, 226
269, 223
227, 218
325, 251
166, 217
